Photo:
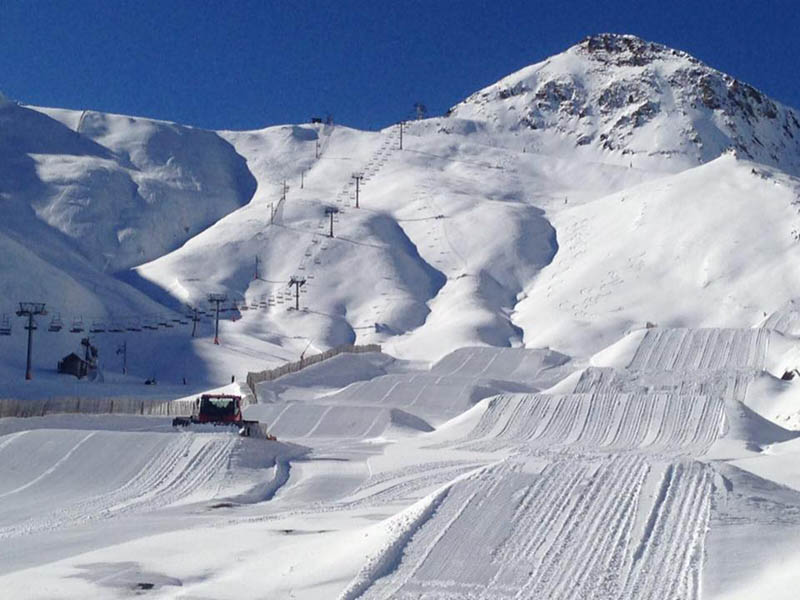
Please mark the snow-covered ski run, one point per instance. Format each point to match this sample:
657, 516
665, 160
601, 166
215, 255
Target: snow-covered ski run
554, 353
625, 486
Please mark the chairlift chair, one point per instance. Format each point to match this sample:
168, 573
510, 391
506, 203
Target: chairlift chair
55, 324
116, 328
77, 326
5, 326
97, 327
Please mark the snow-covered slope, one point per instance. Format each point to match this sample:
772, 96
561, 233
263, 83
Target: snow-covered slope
626, 213
617, 183
710, 246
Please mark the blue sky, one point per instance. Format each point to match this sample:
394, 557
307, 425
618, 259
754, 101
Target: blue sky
246, 64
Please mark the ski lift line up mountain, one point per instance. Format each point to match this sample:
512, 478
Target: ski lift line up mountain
116, 324
152, 322
377, 160
112, 324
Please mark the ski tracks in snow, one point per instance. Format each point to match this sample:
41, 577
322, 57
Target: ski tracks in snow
184, 467
579, 529
600, 495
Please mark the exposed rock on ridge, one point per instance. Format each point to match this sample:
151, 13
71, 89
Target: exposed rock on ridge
622, 93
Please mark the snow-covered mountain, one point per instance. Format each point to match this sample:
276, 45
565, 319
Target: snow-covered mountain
125, 190
617, 183
628, 215
619, 92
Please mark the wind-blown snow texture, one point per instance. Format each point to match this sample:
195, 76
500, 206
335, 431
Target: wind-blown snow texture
583, 282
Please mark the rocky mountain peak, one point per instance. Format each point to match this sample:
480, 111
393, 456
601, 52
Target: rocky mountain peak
626, 50
623, 94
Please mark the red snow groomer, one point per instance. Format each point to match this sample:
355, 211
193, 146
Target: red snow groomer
212, 411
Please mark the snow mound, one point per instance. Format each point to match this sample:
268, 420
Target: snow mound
457, 382
746, 425
602, 422
332, 374
776, 400
302, 420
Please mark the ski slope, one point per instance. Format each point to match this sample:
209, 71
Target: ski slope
582, 281
58, 484
617, 490
568, 535
602, 495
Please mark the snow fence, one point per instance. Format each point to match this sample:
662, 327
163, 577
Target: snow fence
254, 378
10, 407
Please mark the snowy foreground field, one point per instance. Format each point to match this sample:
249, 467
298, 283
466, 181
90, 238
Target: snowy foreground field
583, 280
644, 474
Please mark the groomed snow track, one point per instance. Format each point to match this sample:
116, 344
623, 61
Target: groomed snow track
597, 493
659, 424
578, 529
60, 478
452, 386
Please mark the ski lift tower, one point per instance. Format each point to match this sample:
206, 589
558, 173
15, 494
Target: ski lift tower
358, 177
194, 316
30, 310
331, 210
297, 282
401, 124
216, 299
